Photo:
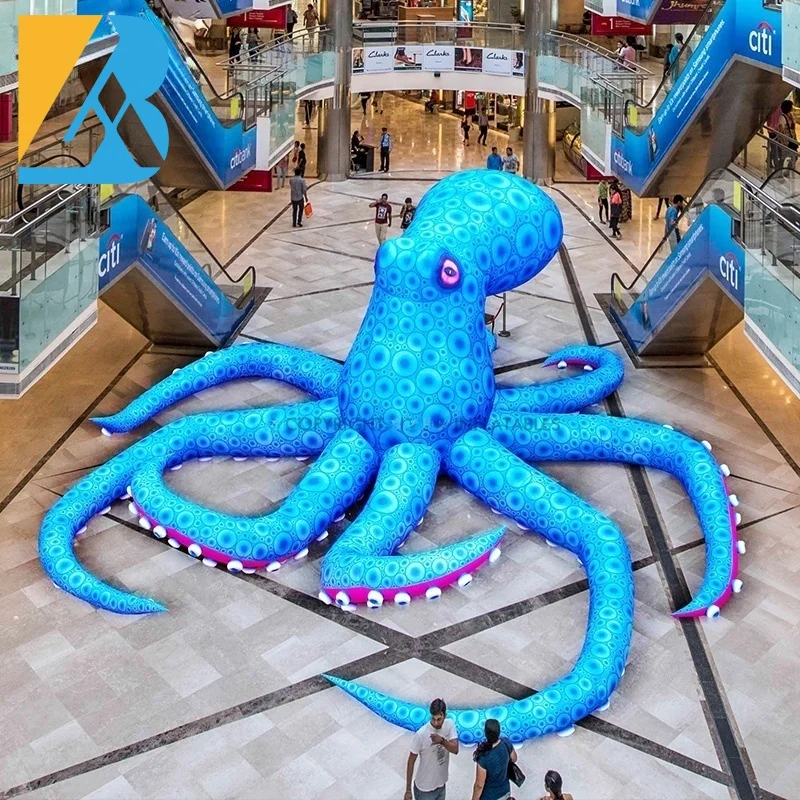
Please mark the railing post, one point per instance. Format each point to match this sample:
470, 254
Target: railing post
504, 332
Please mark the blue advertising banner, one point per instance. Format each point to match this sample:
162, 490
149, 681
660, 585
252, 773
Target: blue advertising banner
137, 235
662, 12
228, 7
230, 151
708, 247
742, 29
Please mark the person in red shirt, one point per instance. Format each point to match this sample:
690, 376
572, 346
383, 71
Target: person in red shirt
383, 217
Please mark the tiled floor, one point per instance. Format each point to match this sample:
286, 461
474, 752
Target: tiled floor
222, 697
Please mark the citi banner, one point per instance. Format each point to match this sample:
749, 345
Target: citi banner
436, 58
742, 29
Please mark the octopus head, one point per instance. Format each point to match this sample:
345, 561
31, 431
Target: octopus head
477, 231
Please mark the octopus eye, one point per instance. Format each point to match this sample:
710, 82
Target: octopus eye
449, 274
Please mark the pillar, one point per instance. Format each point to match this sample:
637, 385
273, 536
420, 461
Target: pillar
334, 116
539, 124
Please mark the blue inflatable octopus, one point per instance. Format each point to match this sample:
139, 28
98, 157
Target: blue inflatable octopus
416, 396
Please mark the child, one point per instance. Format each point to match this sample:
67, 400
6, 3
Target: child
407, 212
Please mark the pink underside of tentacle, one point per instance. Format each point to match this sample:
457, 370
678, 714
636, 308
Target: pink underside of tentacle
359, 594
726, 595
208, 552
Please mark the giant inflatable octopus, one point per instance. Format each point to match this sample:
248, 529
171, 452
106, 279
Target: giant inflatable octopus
415, 396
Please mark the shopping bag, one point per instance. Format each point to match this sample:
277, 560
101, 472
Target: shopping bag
309, 211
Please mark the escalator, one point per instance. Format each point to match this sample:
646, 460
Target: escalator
726, 83
684, 300
157, 274
212, 137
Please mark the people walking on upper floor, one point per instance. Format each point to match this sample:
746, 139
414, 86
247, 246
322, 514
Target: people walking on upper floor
492, 757
364, 101
386, 149
432, 745
383, 217
495, 160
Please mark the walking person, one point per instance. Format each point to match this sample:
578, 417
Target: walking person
678, 57
308, 109
386, 149
364, 101
615, 201
253, 43
291, 21
280, 172
407, 212
383, 217
432, 744
466, 127
671, 229
492, 757
235, 46
787, 135
552, 785
483, 125
299, 195
662, 201
510, 161
310, 20
495, 160
302, 159
602, 200
295, 154
377, 102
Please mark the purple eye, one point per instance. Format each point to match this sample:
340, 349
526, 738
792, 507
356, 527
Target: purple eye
449, 274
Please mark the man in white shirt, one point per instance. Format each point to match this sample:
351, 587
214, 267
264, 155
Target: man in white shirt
432, 745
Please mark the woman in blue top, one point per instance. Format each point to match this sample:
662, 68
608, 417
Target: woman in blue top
491, 764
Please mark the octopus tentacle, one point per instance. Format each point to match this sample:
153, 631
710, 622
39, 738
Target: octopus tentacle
604, 374
360, 567
304, 427
332, 484
602, 438
315, 374
486, 468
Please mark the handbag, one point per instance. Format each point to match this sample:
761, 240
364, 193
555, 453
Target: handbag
308, 210
515, 774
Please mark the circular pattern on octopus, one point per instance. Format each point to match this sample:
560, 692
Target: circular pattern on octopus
416, 396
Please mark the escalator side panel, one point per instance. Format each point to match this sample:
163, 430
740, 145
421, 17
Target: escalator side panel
727, 89
696, 296
141, 252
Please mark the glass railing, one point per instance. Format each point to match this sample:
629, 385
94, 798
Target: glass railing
773, 156
238, 289
771, 237
638, 113
460, 34
14, 196
48, 272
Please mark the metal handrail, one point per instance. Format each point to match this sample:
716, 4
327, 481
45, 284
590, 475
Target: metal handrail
587, 44
56, 193
709, 13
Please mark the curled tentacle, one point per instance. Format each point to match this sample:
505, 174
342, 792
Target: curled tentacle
360, 567
486, 468
571, 394
315, 374
332, 484
601, 438
272, 431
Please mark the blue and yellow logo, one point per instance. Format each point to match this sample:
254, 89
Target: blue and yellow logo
138, 64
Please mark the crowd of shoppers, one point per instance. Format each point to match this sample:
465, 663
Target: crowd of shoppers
496, 769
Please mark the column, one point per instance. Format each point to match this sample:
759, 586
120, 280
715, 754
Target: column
539, 124
334, 116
